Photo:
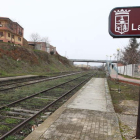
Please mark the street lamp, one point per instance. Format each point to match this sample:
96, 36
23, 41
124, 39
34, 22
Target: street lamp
87, 65
106, 57
117, 69
117, 60
110, 57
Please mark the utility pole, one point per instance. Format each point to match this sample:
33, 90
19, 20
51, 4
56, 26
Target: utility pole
138, 120
117, 62
87, 65
110, 58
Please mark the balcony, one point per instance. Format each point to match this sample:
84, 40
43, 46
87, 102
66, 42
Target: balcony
4, 26
9, 27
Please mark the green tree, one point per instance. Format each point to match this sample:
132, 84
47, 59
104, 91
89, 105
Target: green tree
131, 53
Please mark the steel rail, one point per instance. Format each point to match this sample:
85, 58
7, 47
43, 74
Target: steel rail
2, 107
15, 81
38, 81
62, 72
18, 127
39, 77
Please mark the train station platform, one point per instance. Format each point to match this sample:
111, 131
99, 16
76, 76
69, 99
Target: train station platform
88, 115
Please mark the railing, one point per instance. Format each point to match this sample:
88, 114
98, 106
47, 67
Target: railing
11, 28
7, 26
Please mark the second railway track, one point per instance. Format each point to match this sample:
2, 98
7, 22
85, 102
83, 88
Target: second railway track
28, 81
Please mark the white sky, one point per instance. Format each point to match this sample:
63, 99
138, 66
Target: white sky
77, 28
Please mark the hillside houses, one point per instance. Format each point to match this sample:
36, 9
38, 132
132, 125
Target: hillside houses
12, 32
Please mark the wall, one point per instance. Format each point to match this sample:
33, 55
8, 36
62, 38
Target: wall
25, 42
128, 70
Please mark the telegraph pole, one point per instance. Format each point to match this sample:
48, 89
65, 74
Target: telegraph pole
138, 120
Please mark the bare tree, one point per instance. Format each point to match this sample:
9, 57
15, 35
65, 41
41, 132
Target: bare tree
46, 40
35, 37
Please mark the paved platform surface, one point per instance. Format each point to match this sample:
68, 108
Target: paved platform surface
88, 115
16, 77
91, 95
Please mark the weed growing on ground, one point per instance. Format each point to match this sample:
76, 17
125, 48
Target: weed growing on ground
11, 138
4, 128
11, 121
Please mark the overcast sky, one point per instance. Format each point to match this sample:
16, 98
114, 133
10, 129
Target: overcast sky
77, 28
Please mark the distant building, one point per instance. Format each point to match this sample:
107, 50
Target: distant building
10, 31
83, 66
50, 48
38, 45
42, 46
119, 64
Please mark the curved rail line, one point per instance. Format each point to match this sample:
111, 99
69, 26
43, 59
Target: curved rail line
22, 124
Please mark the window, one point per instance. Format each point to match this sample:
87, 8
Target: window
19, 39
9, 35
48, 49
13, 36
1, 40
1, 34
0, 24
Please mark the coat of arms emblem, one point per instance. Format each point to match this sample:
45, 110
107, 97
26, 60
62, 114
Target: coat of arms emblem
122, 21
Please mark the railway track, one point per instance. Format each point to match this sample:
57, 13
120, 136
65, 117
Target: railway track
21, 112
10, 96
25, 82
11, 81
33, 95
